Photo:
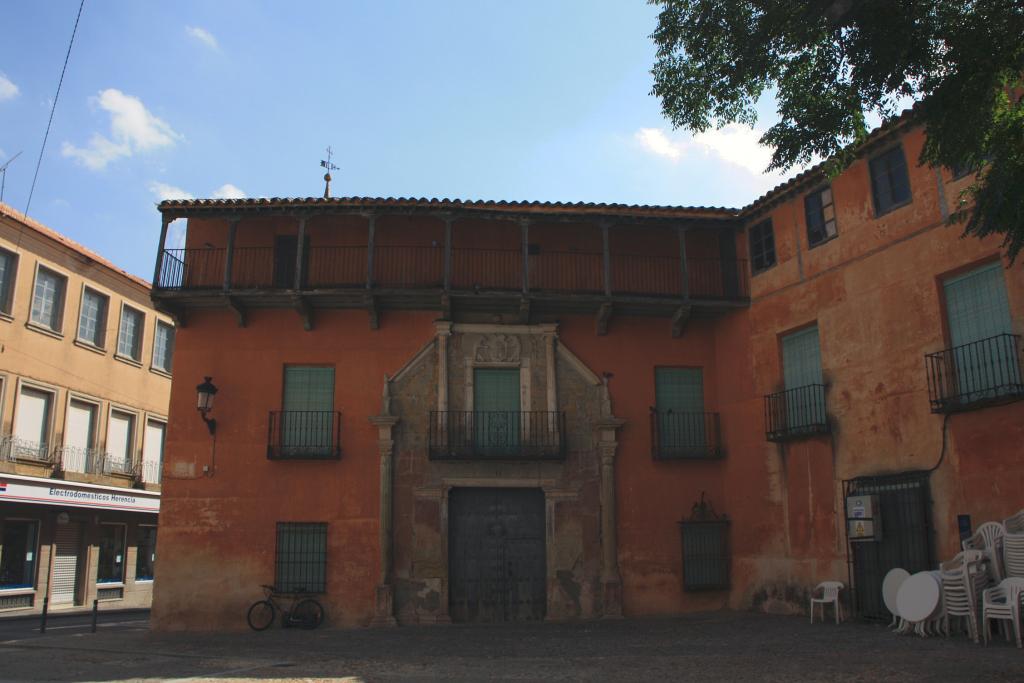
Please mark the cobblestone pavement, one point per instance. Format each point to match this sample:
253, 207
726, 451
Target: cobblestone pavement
720, 646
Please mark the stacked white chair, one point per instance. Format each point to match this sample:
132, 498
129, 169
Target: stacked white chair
988, 538
963, 580
1003, 602
1013, 545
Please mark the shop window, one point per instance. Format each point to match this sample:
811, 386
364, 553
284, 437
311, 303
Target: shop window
890, 184
821, 216
163, 346
48, 299
301, 557
129, 336
762, 246
145, 557
18, 553
111, 564
92, 320
8, 266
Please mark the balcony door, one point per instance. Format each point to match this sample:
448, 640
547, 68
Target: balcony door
496, 410
679, 394
79, 437
285, 256
978, 314
801, 372
307, 420
32, 424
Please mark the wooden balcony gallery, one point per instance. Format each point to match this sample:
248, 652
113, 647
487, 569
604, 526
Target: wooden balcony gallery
521, 261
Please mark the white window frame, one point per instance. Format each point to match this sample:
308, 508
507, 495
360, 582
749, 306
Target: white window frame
51, 419
124, 562
133, 437
152, 356
35, 578
88, 343
7, 307
59, 331
98, 427
141, 336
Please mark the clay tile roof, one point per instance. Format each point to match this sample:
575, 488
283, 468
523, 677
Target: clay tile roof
11, 213
410, 202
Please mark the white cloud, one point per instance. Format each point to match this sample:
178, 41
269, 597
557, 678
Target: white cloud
734, 144
8, 91
163, 191
133, 128
203, 36
229, 191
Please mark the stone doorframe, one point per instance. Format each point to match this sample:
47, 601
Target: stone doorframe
606, 436
552, 495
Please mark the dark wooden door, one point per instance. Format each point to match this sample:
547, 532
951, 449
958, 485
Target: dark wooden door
496, 566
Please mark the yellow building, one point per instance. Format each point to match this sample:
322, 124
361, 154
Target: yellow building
85, 365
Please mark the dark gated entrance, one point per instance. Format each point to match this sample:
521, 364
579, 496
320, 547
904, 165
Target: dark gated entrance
496, 554
906, 513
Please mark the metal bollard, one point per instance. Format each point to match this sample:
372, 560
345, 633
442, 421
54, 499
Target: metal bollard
95, 613
46, 608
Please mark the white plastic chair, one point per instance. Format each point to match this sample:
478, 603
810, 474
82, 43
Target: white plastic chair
989, 539
963, 579
1003, 602
1013, 553
1014, 524
829, 594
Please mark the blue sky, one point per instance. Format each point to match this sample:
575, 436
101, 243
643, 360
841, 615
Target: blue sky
473, 99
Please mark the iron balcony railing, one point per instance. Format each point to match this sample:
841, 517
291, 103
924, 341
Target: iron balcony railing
796, 413
470, 269
122, 465
685, 435
497, 434
81, 460
304, 435
13, 448
149, 471
975, 374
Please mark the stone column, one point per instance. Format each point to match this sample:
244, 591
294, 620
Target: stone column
611, 580
384, 610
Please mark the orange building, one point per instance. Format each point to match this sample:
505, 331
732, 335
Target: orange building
434, 410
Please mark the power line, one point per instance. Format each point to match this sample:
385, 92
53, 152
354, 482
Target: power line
53, 108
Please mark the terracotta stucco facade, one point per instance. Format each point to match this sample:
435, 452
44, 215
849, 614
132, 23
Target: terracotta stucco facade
603, 305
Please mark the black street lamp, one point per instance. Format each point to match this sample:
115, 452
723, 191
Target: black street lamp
206, 392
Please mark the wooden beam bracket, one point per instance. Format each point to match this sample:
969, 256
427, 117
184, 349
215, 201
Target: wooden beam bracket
305, 311
604, 314
679, 320
238, 308
374, 312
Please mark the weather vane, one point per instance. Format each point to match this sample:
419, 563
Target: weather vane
327, 176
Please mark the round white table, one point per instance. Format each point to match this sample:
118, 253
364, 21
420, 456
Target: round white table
891, 587
919, 598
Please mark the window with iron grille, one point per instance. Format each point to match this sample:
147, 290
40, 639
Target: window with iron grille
48, 299
301, 565
821, 216
762, 246
890, 184
8, 264
163, 346
706, 556
92, 320
129, 338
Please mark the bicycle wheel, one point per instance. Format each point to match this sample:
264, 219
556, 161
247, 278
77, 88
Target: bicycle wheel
307, 614
261, 615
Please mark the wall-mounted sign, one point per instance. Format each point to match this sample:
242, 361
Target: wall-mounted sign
863, 522
72, 494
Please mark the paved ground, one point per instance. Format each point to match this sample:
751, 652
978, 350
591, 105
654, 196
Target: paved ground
716, 646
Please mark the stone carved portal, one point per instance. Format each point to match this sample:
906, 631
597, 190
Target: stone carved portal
498, 348
578, 569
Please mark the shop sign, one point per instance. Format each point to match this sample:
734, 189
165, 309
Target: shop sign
50, 492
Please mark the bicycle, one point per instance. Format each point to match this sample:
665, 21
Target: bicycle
304, 611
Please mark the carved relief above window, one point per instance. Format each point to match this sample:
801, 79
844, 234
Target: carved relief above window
498, 348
